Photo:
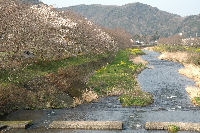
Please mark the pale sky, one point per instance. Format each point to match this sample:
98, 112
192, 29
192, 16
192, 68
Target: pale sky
180, 7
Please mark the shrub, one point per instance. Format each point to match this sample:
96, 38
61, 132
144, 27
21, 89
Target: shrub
197, 100
173, 129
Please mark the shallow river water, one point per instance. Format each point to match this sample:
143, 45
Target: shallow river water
161, 79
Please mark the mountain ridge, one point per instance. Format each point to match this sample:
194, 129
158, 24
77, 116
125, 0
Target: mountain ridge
135, 18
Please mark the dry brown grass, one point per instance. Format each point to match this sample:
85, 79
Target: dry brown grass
12, 98
175, 56
148, 48
87, 96
115, 92
138, 60
193, 92
191, 71
77, 101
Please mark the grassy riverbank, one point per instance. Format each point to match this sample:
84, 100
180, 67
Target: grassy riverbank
47, 83
72, 81
38, 68
118, 78
190, 58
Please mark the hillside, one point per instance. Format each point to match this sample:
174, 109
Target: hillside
136, 18
191, 26
46, 56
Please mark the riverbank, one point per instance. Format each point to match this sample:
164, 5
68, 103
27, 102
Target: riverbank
73, 81
190, 58
47, 83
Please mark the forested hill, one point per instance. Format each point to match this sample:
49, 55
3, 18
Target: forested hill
138, 18
190, 25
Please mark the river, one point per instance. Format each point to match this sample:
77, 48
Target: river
161, 79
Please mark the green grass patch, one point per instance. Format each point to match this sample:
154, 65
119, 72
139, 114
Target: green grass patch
173, 129
117, 77
54, 65
197, 100
118, 74
169, 48
136, 98
40, 68
176, 48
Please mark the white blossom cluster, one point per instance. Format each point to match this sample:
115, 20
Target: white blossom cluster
49, 15
49, 34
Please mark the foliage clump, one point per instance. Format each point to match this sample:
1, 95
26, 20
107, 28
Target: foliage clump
136, 52
173, 129
197, 101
